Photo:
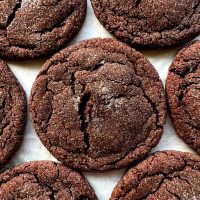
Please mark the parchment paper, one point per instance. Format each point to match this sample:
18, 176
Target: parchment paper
32, 148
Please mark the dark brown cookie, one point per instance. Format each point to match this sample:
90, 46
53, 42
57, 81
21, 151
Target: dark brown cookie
183, 92
30, 29
44, 180
12, 113
168, 175
150, 23
98, 105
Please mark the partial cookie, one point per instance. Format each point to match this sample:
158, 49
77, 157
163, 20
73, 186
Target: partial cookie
44, 180
98, 105
150, 23
30, 29
168, 175
12, 113
183, 92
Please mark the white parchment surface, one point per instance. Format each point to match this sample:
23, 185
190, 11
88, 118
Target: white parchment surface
32, 148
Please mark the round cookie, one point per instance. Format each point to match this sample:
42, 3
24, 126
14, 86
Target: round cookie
183, 92
12, 113
98, 105
150, 23
30, 29
167, 175
44, 180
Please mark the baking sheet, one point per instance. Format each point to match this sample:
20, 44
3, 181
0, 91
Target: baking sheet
32, 148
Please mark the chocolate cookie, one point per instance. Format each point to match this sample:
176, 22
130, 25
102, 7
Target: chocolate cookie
150, 23
98, 105
12, 113
44, 180
183, 92
167, 175
30, 29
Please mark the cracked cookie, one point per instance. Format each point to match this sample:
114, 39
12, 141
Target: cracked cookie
167, 175
150, 23
30, 29
183, 92
98, 105
44, 180
12, 113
